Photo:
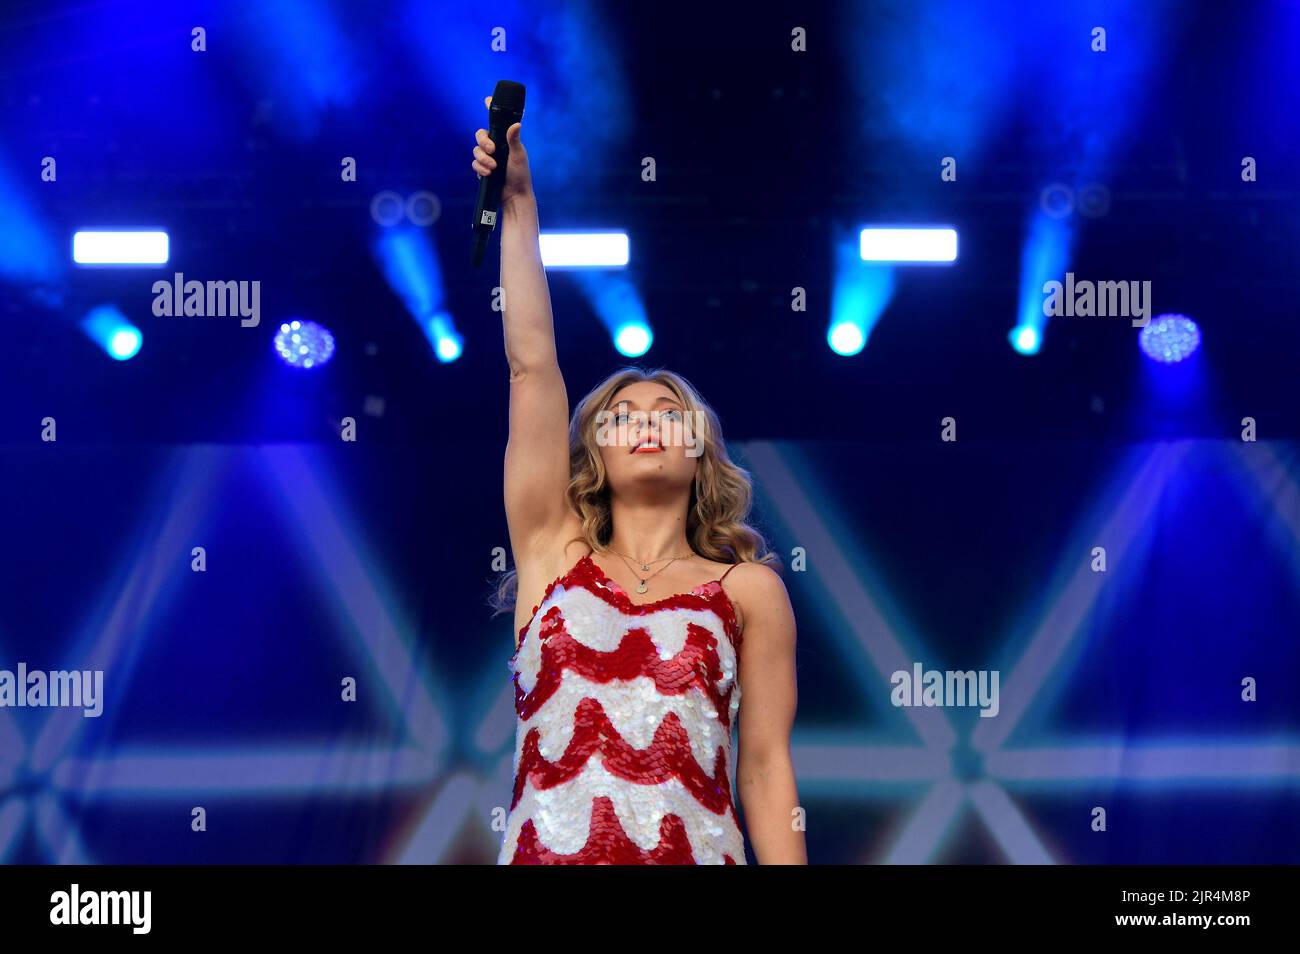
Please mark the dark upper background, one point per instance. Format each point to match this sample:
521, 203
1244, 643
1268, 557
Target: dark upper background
764, 155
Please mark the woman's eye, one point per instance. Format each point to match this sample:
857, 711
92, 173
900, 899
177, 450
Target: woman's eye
673, 415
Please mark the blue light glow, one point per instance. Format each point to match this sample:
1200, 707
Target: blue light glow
110, 329
410, 264
633, 339
859, 297
1026, 339
305, 61
1169, 339
125, 343
616, 301
447, 344
27, 250
846, 338
1044, 257
304, 344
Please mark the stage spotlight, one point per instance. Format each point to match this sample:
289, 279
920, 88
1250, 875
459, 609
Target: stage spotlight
1026, 339
447, 344
304, 344
125, 343
633, 339
410, 264
917, 245
584, 249
111, 330
846, 338
120, 248
616, 301
859, 297
1169, 339
1044, 256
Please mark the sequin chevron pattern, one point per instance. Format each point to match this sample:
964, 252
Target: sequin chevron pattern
625, 719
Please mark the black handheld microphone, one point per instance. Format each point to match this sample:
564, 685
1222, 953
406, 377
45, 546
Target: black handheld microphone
507, 109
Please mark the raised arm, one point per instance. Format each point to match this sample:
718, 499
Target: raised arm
537, 450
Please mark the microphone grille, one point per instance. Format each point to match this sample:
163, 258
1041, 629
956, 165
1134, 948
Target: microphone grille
509, 95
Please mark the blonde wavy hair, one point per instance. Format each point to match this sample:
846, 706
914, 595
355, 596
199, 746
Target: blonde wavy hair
722, 494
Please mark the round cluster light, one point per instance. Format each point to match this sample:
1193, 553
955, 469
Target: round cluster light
304, 344
1169, 338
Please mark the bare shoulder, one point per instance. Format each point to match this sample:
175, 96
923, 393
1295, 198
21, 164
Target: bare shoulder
758, 581
757, 591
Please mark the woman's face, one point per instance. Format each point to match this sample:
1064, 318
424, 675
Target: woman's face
646, 440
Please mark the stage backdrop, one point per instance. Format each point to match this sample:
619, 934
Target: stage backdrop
1139, 604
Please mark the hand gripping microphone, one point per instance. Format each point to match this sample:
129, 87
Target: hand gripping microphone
507, 109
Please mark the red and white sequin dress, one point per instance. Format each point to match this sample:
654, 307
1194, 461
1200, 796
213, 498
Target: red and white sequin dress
625, 717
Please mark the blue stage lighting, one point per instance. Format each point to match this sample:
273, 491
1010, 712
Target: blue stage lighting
449, 349
846, 338
916, 245
584, 249
1044, 257
633, 339
27, 250
304, 344
615, 300
120, 248
1026, 339
1170, 338
410, 263
111, 330
303, 58
447, 344
125, 343
859, 297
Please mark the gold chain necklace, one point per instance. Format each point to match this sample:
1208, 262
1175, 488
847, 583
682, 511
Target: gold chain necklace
643, 583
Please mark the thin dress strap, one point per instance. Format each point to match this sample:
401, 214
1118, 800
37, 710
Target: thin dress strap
729, 569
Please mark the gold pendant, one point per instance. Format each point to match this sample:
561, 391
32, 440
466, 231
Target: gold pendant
642, 587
